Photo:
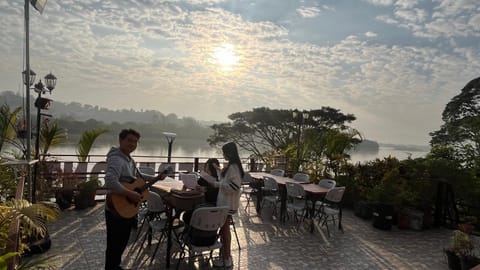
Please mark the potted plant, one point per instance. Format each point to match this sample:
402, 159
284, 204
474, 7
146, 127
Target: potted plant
460, 252
86, 191
386, 198
32, 220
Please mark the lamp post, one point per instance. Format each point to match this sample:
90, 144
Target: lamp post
170, 138
300, 118
40, 103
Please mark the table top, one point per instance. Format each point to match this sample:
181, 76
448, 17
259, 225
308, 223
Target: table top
168, 184
282, 180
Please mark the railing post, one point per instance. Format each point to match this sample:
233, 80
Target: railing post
195, 164
253, 166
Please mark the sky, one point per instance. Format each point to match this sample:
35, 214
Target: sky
394, 64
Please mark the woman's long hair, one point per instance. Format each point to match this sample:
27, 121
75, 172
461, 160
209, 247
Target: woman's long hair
230, 153
211, 168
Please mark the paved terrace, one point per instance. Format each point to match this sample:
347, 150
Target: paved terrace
78, 237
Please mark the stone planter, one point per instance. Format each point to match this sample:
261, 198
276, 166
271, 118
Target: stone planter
468, 262
383, 216
453, 260
363, 209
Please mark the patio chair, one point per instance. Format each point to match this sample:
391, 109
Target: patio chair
278, 172
296, 200
147, 170
232, 223
270, 193
324, 183
156, 218
170, 167
189, 180
247, 189
203, 232
301, 177
152, 208
331, 208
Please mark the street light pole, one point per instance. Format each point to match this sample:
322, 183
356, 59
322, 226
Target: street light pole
28, 83
170, 138
300, 118
42, 103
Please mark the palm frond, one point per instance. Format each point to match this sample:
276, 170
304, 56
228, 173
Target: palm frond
32, 217
8, 120
86, 142
39, 263
51, 135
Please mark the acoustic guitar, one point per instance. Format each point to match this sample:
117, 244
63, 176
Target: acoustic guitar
122, 205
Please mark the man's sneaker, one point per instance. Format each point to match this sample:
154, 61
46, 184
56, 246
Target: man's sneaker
219, 262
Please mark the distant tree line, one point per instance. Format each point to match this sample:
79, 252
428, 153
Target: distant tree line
77, 118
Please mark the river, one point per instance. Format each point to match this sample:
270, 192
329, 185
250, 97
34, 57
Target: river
205, 151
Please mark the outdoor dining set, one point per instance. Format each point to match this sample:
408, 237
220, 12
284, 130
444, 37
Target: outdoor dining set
289, 198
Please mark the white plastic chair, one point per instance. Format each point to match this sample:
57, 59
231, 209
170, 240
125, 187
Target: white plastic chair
277, 172
147, 170
301, 177
332, 207
204, 220
247, 189
296, 200
270, 193
170, 167
157, 220
327, 183
324, 183
189, 180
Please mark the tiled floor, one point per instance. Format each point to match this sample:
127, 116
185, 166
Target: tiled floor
78, 239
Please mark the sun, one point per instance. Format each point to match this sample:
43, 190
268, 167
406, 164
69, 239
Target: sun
225, 57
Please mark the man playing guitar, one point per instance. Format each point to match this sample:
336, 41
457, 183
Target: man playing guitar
121, 169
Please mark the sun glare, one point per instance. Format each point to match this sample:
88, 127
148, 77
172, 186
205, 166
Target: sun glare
225, 57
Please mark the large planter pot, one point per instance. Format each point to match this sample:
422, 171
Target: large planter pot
382, 216
427, 218
403, 221
416, 220
468, 262
453, 260
85, 200
64, 198
363, 209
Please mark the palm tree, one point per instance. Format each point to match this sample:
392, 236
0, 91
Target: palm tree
32, 219
337, 147
86, 142
8, 120
51, 135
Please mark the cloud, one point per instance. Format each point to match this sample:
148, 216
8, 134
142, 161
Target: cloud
308, 12
380, 2
415, 15
406, 4
448, 18
158, 56
386, 19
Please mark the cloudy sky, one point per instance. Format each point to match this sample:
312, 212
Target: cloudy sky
394, 64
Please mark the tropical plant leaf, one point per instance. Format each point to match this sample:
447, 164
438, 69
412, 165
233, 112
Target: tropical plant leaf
86, 142
32, 218
39, 263
8, 120
51, 135
5, 257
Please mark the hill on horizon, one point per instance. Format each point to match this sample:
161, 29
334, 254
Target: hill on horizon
83, 112
75, 111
